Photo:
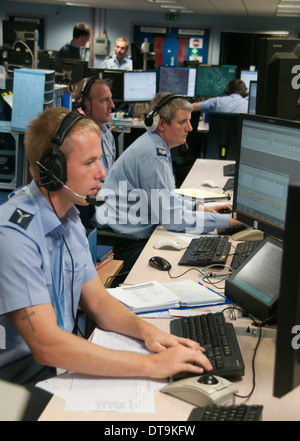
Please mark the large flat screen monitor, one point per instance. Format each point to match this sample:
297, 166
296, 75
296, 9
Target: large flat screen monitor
268, 161
181, 80
287, 355
139, 86
213, 80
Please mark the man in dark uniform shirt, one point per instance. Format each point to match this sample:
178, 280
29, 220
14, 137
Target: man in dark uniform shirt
81, 35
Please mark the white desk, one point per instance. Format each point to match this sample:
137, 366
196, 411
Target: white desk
172, 409
168, 408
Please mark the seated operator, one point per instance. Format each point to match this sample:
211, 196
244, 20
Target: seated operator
46, 269
120, 59
139, 191
233, 102
93, 96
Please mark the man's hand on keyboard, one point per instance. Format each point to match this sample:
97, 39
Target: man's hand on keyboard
177, 359
173, 354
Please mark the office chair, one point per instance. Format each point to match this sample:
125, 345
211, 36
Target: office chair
223, 136
184, 156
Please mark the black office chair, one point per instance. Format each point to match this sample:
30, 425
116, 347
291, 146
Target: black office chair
223, 136
184, 156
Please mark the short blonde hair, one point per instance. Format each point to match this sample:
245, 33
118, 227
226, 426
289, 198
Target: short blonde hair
40, 131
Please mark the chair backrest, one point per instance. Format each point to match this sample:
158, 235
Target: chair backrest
223, 136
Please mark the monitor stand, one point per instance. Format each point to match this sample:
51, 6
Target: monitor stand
248, 234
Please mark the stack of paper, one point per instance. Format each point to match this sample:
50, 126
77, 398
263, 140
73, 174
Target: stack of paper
200, 194
154, 296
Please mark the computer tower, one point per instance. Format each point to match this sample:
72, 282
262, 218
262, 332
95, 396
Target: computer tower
268, 47
284, 85
33, 91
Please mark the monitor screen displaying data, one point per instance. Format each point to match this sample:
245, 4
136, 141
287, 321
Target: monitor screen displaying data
213, 80
139, 86
179, 80
269, 160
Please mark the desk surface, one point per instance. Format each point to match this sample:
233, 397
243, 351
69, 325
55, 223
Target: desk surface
172, 409
168, 408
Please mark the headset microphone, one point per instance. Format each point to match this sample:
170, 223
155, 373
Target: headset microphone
90, 198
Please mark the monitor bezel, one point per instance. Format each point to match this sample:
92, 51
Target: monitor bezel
131, 72
287, 350
182, 68
217, 67
259, 224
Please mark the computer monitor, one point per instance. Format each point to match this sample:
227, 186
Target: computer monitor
181, 80
212, 81
247, 76
287, 355
268, 161
139, 86
252, 97
115, 78
11, 29
68, 70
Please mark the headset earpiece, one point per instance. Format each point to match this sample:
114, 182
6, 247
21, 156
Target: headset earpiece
151, 120
53, 170
53, 165
83, 101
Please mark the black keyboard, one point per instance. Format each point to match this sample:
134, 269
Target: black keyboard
243, 251
206, 250
229, 169
233, 412
217, 337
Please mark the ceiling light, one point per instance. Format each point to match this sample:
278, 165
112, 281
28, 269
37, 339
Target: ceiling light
162, 1
172, 7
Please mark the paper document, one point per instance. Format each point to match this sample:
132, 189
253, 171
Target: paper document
154, 296
200, 194
89, 393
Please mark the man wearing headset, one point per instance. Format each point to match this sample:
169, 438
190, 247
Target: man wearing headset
46, 269
140, 188
94, 97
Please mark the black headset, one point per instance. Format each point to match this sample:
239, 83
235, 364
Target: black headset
152, 119
52, 165
82, 102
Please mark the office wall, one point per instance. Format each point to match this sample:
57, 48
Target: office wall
61, 20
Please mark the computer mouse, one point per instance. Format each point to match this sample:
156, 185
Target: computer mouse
207, 379
209, 183
160, 263
167, 244
201, 394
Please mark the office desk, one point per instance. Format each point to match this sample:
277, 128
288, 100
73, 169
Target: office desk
141, 271
203, 169
172, 409
168, 408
